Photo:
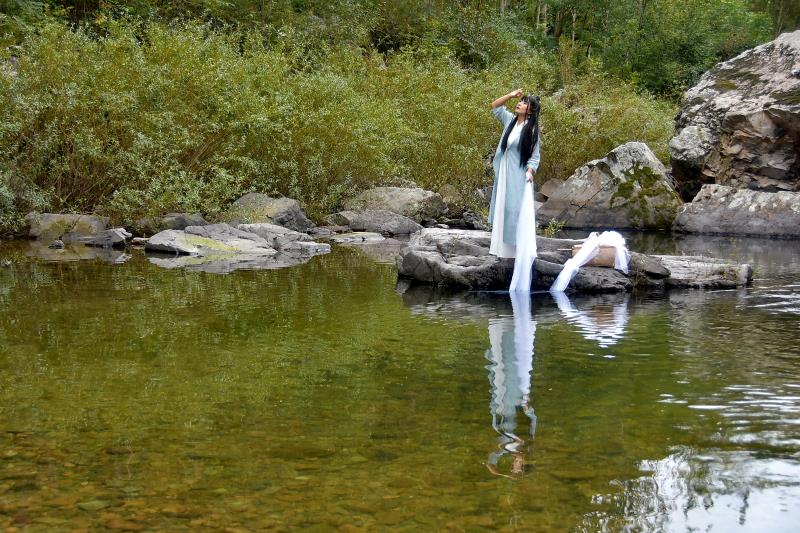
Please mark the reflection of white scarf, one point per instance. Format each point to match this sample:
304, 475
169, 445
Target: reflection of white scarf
588, 251
526, 243
605, 333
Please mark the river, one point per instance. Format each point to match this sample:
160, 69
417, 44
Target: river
328, 397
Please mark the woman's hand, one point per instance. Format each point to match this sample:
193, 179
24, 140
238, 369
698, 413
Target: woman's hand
529, 175
516, 94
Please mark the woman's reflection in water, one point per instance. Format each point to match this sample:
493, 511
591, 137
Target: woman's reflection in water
511, 361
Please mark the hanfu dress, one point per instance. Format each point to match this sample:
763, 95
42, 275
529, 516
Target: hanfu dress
509, 184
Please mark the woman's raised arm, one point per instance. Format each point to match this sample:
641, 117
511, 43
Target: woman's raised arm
503, 99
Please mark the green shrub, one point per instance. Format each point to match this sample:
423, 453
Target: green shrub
152, 118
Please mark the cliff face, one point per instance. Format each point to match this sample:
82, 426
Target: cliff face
740, 125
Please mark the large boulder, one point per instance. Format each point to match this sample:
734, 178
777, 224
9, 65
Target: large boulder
460, 259
254, 208
726, 210
68, 227
627, 189
414, 203
377, 221
740, 125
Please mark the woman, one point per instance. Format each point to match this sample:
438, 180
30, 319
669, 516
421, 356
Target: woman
515, 161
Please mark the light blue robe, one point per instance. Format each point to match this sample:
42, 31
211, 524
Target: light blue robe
515, 181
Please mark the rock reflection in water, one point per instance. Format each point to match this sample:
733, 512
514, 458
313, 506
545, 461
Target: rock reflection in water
510, 354
77, 252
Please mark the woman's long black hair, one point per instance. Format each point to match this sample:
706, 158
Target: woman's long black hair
530, 130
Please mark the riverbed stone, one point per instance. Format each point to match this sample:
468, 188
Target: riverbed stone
254, 208
50, 226
740, 124
376, 221
412, 202
727, 210
627, 189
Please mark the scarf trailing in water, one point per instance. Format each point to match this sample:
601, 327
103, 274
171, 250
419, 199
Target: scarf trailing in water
589, 249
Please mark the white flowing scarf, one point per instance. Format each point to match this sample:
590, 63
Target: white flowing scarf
589, 249
526, 243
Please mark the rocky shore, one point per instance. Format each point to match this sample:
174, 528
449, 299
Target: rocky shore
735, 162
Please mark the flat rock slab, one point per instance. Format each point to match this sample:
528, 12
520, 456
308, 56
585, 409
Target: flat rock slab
220, 248
460, 259
699, 272
726, 210
279, 237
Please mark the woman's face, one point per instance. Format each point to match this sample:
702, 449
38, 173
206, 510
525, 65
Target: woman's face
522, 107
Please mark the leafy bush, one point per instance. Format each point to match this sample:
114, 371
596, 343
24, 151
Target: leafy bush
150, 118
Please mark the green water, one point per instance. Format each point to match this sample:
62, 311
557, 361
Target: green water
320, 397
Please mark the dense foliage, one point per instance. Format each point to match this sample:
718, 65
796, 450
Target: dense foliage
129, 108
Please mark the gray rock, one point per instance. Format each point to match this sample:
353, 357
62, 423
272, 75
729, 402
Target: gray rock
110, 238
627, 189
278, 236
550, 187
224, 238
152, 225
414, 203
357, 237
385, 222
475, 220
740, 125
171, 241
49, 226
704, 273
460, 258
220, 248
214, 239
726, 210
254, 208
